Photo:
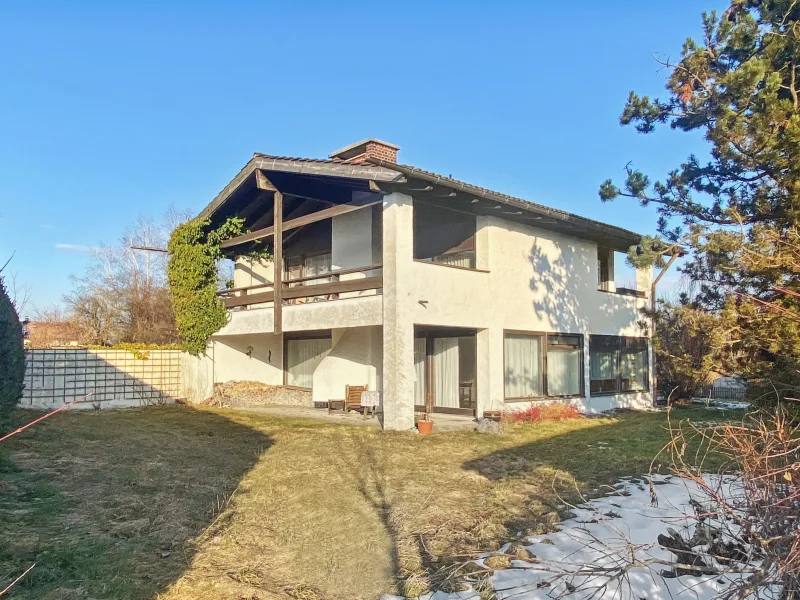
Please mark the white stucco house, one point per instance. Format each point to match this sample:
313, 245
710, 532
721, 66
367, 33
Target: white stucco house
419, 285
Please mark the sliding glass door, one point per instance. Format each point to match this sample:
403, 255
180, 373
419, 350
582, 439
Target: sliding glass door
445, 368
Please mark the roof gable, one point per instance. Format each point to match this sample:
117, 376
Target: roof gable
428, 186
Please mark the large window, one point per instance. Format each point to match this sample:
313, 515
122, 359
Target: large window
564, 365
445, 366
444, 236
302, 357
543, 365
619, 364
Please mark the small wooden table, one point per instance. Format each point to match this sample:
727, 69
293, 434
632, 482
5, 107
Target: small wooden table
370, 401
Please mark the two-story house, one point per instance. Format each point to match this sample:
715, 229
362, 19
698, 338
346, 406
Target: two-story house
420, 285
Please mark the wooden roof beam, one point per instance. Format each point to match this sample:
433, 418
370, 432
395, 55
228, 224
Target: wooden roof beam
321, 215
263, 183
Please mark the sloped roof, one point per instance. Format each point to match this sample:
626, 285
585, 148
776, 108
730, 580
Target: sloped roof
400, 175
436, 179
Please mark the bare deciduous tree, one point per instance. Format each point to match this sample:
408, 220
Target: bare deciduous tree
124, 295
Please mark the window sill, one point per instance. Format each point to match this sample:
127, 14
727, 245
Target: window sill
625, 292
541, 398
427, 262
601, 394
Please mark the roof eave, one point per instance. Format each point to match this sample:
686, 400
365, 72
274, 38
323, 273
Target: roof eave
625, 237
266, 162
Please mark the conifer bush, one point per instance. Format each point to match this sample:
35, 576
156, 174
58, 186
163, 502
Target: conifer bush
12, 356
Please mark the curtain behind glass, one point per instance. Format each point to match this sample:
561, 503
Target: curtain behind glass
634, 370
302, 359
465, 258
523, 376
604, 364
563, 372
419, 371
317, 265
604, 371
445, 372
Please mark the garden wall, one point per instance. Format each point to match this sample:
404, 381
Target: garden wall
116, 378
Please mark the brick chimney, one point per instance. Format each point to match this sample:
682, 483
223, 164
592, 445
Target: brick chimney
369, 148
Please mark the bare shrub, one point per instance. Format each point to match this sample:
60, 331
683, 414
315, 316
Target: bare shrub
761, 521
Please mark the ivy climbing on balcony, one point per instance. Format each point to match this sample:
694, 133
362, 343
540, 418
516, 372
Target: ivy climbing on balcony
194, 254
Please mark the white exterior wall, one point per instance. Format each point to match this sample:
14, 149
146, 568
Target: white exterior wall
333, 314
265, 363
248, 271
355, 359
535, 280
348, 312
197, 376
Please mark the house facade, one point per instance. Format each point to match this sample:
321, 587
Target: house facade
422, 286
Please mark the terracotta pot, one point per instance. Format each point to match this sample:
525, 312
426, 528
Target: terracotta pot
425, 427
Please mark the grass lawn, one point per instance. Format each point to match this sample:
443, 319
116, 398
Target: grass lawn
184, 503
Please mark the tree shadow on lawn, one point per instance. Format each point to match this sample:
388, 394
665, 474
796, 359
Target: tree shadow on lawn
436, 513
106, 503
583, 462
592, 455
372, 472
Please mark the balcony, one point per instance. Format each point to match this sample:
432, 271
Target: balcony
344, 298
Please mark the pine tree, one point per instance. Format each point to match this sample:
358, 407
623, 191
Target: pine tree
738, 212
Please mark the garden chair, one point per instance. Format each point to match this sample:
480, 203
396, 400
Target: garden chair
352, 398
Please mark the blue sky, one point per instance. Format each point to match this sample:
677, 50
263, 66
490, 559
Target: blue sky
111, 112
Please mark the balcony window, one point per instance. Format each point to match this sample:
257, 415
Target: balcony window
605, 269
444, 236
296, 267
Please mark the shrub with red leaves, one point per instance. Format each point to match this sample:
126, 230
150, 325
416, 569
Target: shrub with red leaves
555, 411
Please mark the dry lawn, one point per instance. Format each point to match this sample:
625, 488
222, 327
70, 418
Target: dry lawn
182, 503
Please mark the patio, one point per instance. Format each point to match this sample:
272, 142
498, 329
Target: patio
442, 422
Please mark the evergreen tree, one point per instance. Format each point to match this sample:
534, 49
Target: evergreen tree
738, 212
12, 356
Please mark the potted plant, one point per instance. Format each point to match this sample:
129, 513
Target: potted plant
425, 425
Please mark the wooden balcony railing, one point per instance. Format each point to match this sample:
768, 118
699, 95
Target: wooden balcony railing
300, 288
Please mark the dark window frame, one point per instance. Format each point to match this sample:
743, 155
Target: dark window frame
622, 343
302, 258
468, 245
605, 275
545, 335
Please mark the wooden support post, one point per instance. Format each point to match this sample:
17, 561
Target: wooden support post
278, 262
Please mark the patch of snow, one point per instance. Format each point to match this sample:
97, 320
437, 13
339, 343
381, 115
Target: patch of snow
730, 405
721, 404
618, 531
